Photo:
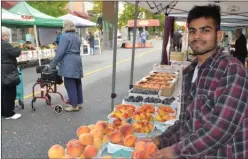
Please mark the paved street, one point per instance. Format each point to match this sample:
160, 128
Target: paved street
35, 132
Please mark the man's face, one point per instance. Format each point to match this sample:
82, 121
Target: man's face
6, 37
237, 33
203, 36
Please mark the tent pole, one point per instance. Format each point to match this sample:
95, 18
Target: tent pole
37, 43
134, 42
113, 94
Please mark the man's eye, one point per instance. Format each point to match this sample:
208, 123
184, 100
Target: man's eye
191, 31
205, 31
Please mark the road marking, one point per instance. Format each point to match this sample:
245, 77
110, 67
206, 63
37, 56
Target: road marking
101, 69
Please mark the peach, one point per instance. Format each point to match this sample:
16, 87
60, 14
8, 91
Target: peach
143, 116
150, 148
102, 126
73, 149
90, 151
126, 129
140, 146
115, 137
139, 155
109, 131
74, 141
125, 116
91, 126
97, 133
147, 129
83, 130
111, 125
86, 139
105, 139
56, 151
97, 143
145, 122
117, 121
129, 140
82, 156
136, 117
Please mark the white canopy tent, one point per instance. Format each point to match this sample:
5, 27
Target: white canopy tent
79, 22
228, 7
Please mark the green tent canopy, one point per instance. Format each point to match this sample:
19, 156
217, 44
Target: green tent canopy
10, 19
40, 19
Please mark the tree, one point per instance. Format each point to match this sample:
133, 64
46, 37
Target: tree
129, 11
52, 8
96, 11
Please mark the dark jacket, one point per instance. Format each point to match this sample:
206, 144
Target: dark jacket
68, 56
91, 40
8, 57
58, 38
240, 47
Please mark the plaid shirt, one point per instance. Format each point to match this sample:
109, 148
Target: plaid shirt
213, 122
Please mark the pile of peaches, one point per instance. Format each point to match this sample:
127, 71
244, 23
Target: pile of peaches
156, 81
91, 138
123, 111
165, 113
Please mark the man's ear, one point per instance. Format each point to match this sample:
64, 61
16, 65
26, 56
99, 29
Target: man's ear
219, 36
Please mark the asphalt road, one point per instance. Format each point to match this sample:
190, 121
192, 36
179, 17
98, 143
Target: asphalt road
33, 134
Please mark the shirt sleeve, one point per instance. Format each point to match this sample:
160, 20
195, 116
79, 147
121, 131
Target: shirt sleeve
172, 134
60, 51
224, 120
13, 51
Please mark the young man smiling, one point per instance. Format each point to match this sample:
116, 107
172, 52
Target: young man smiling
214, 110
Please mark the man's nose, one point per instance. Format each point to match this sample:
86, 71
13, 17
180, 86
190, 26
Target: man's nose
197, 35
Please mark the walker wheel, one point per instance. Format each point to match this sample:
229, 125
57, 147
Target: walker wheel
48, 100
21, 104
32, 104
58, 108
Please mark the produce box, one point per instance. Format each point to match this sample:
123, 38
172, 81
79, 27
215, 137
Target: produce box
177, 56
165, 68
143, 93
167, 91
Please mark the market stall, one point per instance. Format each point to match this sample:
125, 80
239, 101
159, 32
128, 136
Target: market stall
144, 112
141, 25
40, 20
82, 23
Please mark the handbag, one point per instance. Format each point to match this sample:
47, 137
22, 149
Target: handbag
11, 79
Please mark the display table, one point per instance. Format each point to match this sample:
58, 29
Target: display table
35, 55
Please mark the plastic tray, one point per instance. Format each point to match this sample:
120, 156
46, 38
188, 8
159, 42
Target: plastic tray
113, 148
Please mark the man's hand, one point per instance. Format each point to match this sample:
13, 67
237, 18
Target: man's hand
165, 153
147, 139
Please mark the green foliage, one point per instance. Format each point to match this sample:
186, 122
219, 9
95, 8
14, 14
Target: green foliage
128, 14
52, 8
96, 10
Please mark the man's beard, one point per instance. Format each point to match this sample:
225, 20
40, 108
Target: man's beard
203, 52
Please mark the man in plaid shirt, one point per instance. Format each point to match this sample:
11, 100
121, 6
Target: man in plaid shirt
213, 122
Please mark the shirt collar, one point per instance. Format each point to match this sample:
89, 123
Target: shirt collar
206, 64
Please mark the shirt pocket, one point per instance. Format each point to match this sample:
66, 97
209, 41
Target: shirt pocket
206, 106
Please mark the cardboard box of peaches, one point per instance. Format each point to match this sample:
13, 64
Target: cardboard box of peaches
165, 82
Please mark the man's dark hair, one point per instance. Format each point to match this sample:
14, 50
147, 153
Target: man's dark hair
209, 11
